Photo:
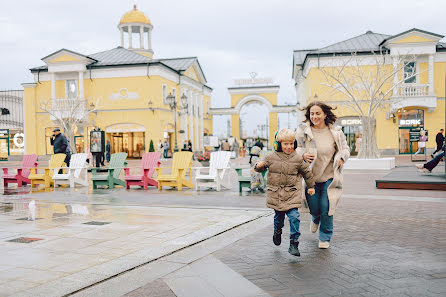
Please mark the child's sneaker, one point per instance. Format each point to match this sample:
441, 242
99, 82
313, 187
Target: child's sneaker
294, 248
277, 237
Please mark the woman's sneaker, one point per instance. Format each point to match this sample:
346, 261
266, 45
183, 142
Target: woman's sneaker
324, 244
313, 227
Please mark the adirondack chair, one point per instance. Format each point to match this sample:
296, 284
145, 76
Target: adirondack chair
219, 174
148, 163
117, 163
21, 177
55, 164
245, 181
73, 176
182, 161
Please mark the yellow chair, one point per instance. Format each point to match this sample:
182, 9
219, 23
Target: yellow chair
182, 161
56, 162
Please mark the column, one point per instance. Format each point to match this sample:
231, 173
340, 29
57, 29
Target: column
141, 37
431, 74
130, 36
395, 76
235, 126
273, 126
197, 136
184, 117
53, 86
149, 39
191, 117
201, 122
122, 36
81, 85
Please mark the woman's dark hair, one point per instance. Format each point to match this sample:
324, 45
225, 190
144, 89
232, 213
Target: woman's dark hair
327, 109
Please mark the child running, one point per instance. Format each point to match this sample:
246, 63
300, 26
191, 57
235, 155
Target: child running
284, 186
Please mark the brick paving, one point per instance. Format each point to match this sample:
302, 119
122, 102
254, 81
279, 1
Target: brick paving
379, 248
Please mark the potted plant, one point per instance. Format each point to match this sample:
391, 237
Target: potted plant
203, 158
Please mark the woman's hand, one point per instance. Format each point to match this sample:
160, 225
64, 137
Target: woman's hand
341, 163
311, 191
308, 157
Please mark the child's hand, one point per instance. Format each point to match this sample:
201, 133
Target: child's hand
311, 191
260, 165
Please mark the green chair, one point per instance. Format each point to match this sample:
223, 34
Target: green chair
245, 181
117, 163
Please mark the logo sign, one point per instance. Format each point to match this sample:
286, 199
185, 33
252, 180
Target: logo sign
410, 122
254, 81
351, 122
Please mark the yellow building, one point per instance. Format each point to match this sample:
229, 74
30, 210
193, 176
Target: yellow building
127, 90
415, 103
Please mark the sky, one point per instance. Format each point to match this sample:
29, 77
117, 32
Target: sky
231, 38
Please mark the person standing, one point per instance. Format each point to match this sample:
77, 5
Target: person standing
166, 148
324, 146
421, 142
108, 151
160, 146
61, 145
226, 146
236, 147
439, 139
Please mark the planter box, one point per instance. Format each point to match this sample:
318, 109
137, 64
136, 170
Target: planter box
370, 164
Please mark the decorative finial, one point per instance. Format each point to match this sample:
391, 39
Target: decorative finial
134, 6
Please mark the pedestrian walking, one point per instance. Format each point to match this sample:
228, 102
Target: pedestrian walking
160, 146
439, 139
226, 146
427, 167
61, 145
166, 148
108, 151
324, 146
257, 183
421, 142
284, 186
236, 147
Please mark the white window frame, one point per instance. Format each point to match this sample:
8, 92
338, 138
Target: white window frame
415, 70
164, 93
67, 86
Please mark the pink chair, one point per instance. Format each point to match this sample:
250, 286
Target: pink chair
148, 163
21, 177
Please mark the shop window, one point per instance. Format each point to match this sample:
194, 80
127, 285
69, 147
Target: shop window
409, 72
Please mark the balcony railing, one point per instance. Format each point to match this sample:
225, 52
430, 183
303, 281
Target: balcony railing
413, 90
70, 108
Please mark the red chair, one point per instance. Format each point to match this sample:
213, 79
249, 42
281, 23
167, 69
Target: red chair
148, 163
21, 177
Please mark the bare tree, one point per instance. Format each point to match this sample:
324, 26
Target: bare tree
69, 114
367, 83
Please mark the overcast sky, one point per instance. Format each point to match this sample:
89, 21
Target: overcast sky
231, 38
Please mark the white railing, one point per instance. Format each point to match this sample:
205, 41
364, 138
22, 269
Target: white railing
413, 90
70, 108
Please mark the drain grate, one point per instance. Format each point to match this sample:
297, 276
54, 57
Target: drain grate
97, 223
27, 219
24, 239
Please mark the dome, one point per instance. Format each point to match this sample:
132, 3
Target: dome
134, 16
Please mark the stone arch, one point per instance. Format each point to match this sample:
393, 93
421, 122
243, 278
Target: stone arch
251, 98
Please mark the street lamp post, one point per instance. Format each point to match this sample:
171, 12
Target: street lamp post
172, 101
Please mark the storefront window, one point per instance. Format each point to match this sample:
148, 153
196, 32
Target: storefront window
131, 143
16, 142
409, 121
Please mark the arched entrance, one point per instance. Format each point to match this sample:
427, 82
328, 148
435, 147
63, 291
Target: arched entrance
243, 96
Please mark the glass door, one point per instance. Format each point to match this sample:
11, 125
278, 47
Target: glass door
4, 149
117, 144
406, 146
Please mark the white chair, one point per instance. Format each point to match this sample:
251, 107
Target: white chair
73, 176
219, 174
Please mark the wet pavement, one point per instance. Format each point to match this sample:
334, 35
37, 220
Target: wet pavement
387, 242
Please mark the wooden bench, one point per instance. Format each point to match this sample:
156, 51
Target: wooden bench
245, 181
